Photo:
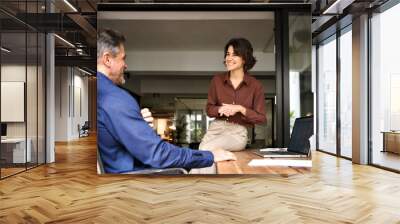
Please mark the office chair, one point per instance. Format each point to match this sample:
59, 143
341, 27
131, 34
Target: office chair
84, 130
100, 167
167, 171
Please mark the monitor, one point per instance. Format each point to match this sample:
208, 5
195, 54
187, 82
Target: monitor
3, 129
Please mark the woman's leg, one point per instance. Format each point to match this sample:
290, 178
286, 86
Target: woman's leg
222, 135
208, 143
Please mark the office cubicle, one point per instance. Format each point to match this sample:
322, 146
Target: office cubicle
22, 78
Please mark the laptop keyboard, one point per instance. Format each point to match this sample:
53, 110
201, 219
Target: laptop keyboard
283, 153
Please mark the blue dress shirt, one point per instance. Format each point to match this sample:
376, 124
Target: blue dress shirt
125, 140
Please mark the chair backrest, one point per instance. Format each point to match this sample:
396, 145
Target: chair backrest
166, 171
85, 126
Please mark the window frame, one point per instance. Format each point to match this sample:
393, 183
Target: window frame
333, 37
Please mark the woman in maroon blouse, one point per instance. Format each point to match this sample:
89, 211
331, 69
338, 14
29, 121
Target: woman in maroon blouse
235, 99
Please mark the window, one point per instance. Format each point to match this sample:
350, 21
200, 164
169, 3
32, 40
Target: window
346, 93
190, 119
385, 88
327, 96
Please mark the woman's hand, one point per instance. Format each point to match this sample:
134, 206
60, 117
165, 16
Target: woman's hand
224, 111
147, 116
231, 109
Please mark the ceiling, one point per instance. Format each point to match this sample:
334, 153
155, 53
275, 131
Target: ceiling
198, 35
190, 33
76, 24
201, 31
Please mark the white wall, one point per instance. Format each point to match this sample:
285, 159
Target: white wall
80, 110
71, 93
184, 85
61, 103
189, 61
15, 73
33, 126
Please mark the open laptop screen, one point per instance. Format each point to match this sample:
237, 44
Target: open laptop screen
3, 129
302, 131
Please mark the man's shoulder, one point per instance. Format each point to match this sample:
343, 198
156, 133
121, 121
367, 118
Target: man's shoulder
117, 97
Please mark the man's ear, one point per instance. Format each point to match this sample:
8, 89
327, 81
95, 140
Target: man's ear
106, 59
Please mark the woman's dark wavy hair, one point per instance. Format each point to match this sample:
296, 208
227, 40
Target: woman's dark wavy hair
242, 47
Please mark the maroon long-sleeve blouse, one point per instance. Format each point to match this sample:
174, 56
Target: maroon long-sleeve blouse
249, 94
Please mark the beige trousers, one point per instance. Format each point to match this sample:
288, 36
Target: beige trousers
222, 135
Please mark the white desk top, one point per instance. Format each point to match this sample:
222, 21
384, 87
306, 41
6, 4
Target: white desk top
281, 162
13, 140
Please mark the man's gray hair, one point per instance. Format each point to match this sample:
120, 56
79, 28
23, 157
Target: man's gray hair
109, 40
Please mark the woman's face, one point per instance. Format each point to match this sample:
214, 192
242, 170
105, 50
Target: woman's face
233, 61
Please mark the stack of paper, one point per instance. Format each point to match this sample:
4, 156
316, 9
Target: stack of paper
281, 162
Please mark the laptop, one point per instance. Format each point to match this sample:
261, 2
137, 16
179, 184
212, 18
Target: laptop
3, 131
299, 144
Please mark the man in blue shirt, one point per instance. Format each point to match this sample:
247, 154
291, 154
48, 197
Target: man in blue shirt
126, 142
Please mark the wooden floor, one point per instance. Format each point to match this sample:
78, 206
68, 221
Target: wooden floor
386, 159
69, 191
5, 172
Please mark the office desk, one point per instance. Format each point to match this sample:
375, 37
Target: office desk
13, 150
244, 157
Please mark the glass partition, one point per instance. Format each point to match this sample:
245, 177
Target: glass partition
264, 134
301, 96
14, 144
22, 89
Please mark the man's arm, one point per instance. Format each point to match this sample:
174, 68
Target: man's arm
129, 128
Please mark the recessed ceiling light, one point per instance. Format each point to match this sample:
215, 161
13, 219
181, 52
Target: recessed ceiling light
70, 5
5, 50
64, 40
337, 7
84, 71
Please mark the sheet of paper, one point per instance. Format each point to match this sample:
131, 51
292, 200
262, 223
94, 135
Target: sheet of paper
281, 162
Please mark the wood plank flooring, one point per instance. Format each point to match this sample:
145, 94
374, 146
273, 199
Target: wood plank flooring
388, 159
70, 191
10, 171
